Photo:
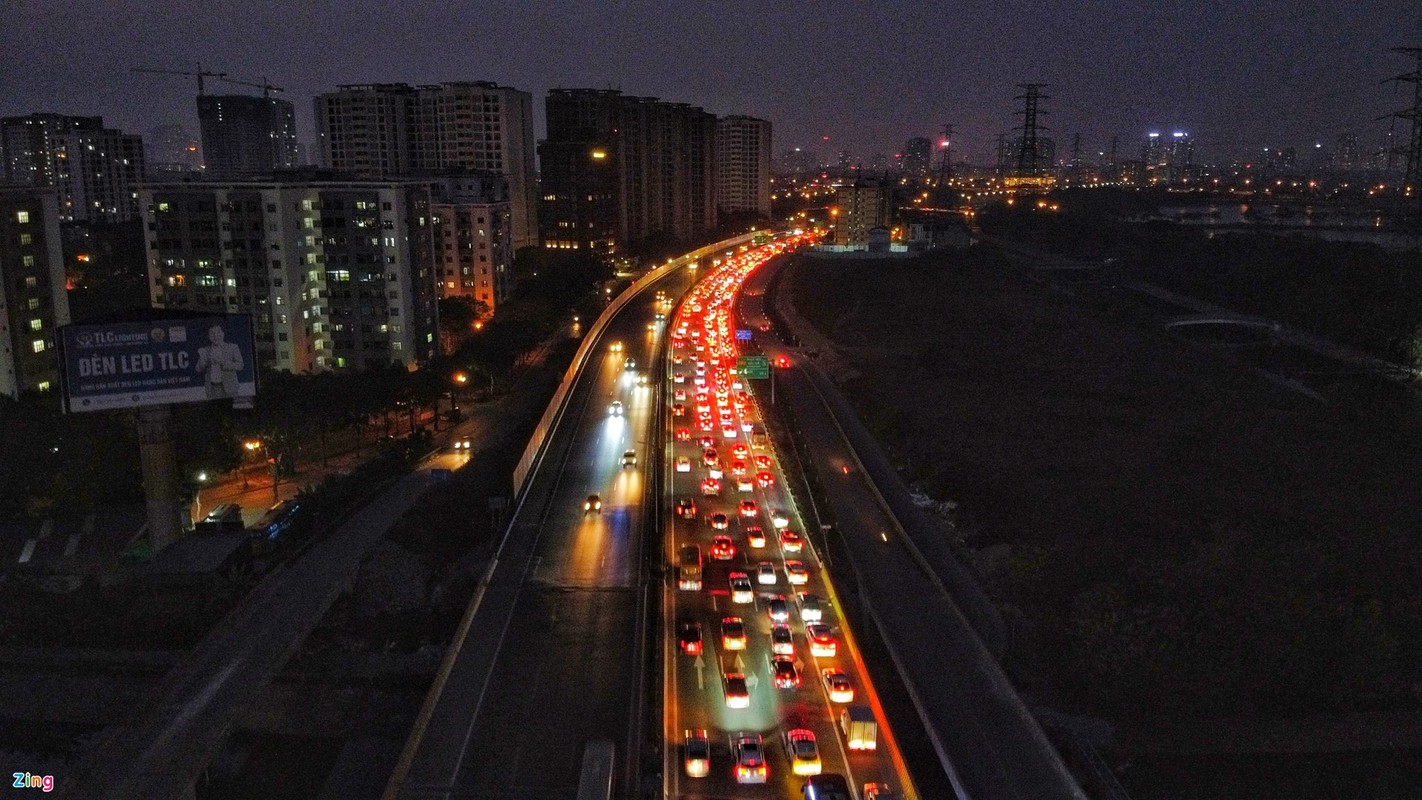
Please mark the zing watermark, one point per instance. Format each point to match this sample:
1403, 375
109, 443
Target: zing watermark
24, 780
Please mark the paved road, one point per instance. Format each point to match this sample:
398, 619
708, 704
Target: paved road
550, 658
694, 689
166, 742
990, 744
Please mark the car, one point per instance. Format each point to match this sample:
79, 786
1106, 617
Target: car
765, 574
678, 377
740, 451
678, 410
615, 347
782, 642
750, 758
738, 467
643, 380
630, 363
748, 509
683, 434
777, 609
804, 754
629, 458
762, 461
765, 326
593, 504
689, 637
743, 484
713, 470
711, 487
837, 685
741, 590
755, 536
765, 479
722, 549
686, 509
728, 431
778, 519
718, 521
791, 542
733, 634
679, 395
697, 750
463, 444
709, 456
783, 672
737, 695
615, 409
704, 425
810, 610
822, 642
796, 573
683, 464
705, 441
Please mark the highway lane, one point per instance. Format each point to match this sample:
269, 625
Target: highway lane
549, 661
694, 684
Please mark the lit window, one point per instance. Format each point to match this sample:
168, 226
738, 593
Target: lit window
22, 217
43, 386
38, 345
36, 324
26, 238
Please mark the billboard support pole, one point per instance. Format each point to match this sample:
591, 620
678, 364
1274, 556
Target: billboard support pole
160, 474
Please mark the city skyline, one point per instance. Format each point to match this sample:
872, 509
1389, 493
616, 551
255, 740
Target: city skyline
1238, 79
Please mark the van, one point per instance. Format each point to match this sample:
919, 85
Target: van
861, 731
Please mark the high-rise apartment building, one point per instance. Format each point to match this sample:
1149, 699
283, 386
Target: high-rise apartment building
95, 169
172, 149
393, 129
473, 237
645, 166
917, 156
246, 136
743, 165
862, 206
33, 302
337, 274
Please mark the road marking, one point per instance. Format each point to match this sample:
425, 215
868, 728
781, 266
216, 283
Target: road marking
700, 672
28, 551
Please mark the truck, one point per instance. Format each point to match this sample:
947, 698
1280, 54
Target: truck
861, 732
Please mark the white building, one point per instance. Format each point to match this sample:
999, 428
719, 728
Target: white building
337, 274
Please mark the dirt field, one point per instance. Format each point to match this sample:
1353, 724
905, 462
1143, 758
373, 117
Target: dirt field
1177, 537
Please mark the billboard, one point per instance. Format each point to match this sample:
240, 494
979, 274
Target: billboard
166, 360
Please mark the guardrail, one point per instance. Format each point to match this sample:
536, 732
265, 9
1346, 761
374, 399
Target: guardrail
590, 340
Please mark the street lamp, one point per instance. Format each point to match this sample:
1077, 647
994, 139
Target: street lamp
252, 446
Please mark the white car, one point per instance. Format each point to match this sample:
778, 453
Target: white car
765, 574
615, 409
810, 607
741, 590
796, 573
683, 464
778, 519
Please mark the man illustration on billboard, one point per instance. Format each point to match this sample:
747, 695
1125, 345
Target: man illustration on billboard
219, 362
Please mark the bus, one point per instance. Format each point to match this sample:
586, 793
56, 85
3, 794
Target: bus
595, 781
689, 568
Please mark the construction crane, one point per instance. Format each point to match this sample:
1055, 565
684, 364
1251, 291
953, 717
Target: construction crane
200, 74
266, 87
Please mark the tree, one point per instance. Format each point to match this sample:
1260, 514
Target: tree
457, 316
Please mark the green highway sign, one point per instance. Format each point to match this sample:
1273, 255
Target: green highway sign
753, 367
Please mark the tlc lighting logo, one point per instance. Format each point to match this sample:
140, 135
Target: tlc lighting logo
24, 780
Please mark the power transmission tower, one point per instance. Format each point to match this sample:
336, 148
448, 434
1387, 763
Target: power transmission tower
945, 171
1412, 180
1029, 155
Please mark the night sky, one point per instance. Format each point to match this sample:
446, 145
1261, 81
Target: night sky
1238, 76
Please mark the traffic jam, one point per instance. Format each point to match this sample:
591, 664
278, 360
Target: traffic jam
765, 697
